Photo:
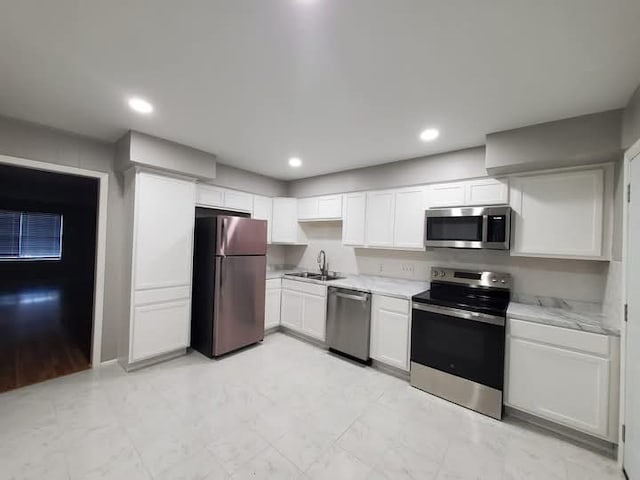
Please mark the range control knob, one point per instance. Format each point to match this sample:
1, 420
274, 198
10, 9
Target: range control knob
503, 281
494, 280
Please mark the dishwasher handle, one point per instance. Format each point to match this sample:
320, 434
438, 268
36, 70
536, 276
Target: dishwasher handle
350, 296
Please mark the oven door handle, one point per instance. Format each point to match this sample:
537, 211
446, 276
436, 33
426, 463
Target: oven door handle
458, 313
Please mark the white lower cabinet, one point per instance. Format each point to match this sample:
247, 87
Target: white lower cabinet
272, 303
390, 331
160, 328
304, 308
565, 376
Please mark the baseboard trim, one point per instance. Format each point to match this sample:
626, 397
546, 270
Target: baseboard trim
132, 367
113, 361
303, 337
580, 438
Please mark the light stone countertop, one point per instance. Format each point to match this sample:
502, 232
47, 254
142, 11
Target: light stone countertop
586, 321
547, 311
392, 287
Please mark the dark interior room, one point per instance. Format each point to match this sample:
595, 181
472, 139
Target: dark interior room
47, 263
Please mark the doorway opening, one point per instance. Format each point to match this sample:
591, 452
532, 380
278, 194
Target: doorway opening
48, 233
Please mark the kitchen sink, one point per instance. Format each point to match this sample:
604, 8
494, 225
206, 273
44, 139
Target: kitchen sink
314, 276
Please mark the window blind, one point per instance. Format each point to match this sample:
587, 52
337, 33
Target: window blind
30, 235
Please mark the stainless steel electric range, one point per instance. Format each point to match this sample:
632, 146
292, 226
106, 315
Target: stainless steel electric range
458, 338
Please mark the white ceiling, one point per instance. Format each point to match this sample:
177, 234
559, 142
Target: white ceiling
339, 83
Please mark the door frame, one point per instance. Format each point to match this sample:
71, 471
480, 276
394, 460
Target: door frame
631, 153
101, 238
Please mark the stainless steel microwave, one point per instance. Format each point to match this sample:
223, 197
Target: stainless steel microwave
469, 227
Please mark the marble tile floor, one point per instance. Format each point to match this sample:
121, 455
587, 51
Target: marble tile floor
280, 410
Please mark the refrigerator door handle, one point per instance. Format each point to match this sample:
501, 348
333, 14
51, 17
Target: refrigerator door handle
221, 274
223, 239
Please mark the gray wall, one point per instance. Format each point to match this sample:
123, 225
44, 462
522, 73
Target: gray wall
246, 181
631, 121
34, 142
563, 143
444, 167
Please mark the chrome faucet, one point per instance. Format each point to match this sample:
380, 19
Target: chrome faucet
322, 263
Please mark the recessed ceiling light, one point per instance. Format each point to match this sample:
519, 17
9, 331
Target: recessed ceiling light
295, 162
140, 105
429, 134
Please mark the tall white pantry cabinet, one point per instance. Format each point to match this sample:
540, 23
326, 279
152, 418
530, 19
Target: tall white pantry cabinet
160, 223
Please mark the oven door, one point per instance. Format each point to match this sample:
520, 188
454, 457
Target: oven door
467, 344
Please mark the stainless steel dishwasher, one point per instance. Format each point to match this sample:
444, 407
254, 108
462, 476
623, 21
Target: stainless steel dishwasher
349, 322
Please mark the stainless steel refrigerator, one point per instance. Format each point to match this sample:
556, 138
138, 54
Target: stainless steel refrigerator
229, 271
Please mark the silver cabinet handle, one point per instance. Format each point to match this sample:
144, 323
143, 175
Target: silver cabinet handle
458, 313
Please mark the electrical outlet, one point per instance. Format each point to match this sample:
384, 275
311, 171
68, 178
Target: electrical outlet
380, 268
407, 268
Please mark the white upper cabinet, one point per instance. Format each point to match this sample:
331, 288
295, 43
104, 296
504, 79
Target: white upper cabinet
408, 231
380, 216
239, 201
488, 191
393, 219
353, 218
485, 191
285, 228
320, 208
209, 196
216, 197
263, 210
559, 214
446, 195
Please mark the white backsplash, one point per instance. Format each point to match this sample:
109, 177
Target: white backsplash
276, 255
578, 280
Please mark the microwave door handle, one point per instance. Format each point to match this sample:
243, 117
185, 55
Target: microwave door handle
485, 228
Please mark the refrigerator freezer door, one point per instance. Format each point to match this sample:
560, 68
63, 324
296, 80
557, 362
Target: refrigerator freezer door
241, 236
239, 302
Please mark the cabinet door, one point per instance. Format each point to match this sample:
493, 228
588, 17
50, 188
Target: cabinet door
239, 201
559, 214
209, 196
307, 208
380, 218
560, 385
409, 219
488, 191
159, 328
353, 219
390, 331
263, 210
272, 308
291, 309
285, 221
164, 220
314, 317
330, 207
446, 195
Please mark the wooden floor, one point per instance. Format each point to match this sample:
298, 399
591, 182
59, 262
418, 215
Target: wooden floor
35, 339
